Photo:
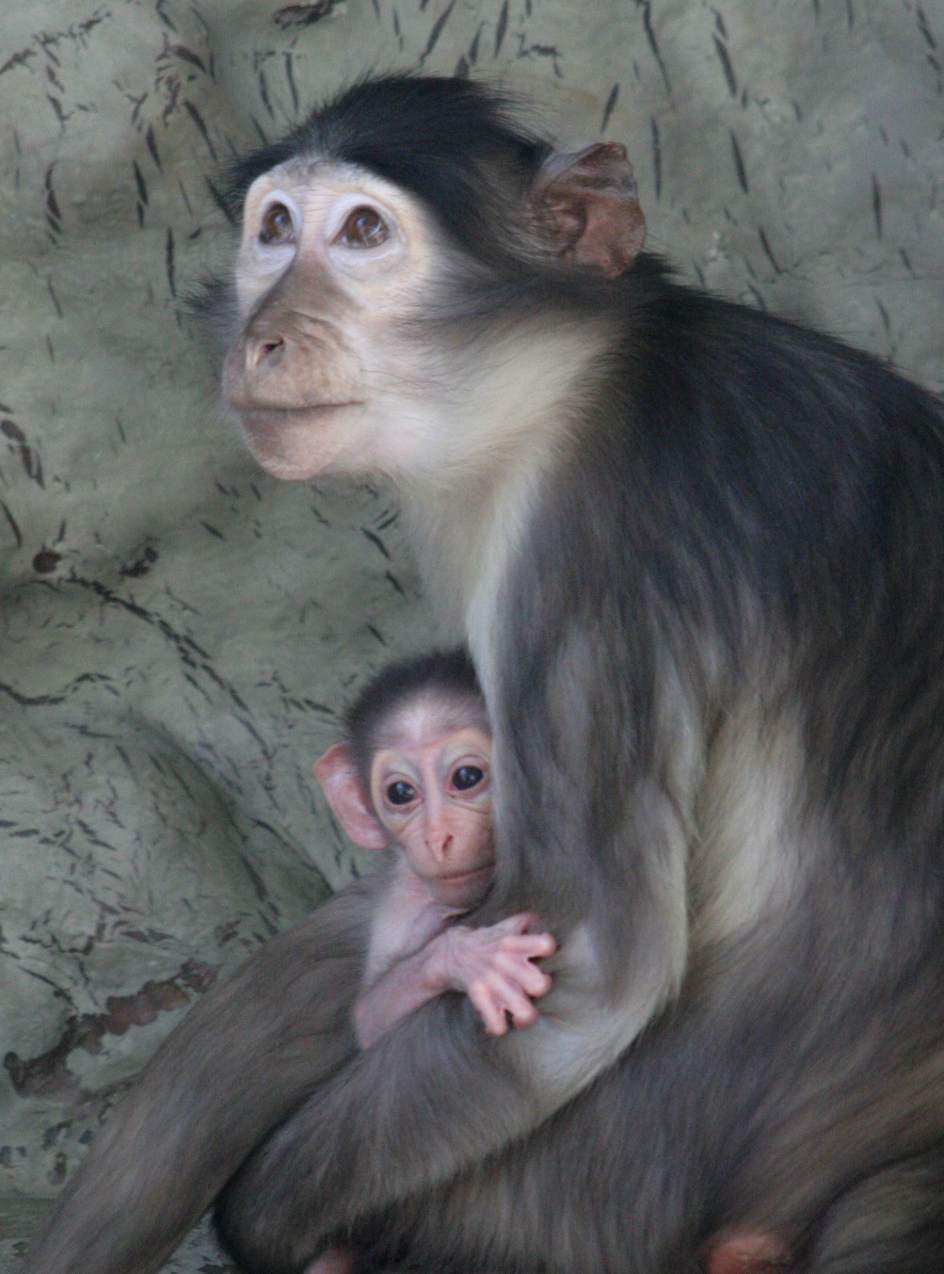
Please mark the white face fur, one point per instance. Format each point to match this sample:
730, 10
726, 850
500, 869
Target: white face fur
332, 261
341, 365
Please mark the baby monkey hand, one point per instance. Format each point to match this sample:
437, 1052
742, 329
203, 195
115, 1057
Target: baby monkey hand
493, 967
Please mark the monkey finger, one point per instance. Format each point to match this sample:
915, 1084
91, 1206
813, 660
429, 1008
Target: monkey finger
516, 950
515, 1002
521, 922
533, 945
524, 1016
532, 980
489, 1008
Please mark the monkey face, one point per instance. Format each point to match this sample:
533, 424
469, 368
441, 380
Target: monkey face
332, 264
433, 797
362, 338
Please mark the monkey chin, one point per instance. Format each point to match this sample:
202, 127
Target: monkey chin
462, 891
302, 443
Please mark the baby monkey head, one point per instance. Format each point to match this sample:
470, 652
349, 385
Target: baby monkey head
414, 774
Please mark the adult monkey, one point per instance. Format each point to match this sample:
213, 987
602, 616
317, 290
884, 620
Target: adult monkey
697, 553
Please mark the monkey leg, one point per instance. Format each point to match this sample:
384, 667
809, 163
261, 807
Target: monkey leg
628, 1177
253, 1046
295, 1192
890, 1223
602, 1185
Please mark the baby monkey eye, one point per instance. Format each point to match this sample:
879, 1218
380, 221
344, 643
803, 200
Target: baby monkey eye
400, 793
364, 228
467, 776
277, 225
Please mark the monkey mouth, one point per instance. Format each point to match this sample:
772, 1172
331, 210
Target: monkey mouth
266, 413
296, 443
463, 890
467, 877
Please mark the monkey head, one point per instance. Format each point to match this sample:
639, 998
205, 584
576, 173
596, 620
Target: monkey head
428, 793
328, 262
380, 273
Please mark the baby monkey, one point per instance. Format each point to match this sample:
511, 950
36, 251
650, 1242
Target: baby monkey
413, 776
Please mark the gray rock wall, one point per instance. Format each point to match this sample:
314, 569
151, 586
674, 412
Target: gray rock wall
177, 630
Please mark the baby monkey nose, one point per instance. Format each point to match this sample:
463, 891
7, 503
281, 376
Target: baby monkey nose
440, 842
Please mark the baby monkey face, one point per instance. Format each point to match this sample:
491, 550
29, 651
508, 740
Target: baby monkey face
433, 797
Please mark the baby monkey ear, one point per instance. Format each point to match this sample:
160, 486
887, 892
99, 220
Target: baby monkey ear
587, 203
341, 784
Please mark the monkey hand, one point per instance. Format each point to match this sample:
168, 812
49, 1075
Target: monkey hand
493, 967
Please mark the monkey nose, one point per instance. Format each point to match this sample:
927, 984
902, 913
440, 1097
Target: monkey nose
440, 844
263, 352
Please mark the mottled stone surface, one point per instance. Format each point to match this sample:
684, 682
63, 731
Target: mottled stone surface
178, 631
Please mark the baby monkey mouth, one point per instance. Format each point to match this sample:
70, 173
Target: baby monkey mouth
460, 877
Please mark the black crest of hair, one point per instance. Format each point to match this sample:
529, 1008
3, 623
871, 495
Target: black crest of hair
446, 674
434, 136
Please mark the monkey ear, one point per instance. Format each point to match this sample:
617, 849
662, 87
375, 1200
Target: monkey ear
341, 784
588, 203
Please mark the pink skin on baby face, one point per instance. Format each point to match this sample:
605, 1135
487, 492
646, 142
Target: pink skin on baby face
433, 796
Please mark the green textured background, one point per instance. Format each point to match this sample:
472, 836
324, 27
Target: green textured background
177, 630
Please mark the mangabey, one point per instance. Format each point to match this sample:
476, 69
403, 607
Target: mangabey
697, 554
413, 776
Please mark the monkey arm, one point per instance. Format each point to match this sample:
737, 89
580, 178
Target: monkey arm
405, 987
362, 1140
243, 1056
434, 1095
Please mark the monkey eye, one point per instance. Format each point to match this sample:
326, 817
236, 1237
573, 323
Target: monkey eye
277, 225
467, 777
363, 228
400, 793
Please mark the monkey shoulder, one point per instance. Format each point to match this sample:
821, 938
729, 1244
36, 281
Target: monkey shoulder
721, 434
